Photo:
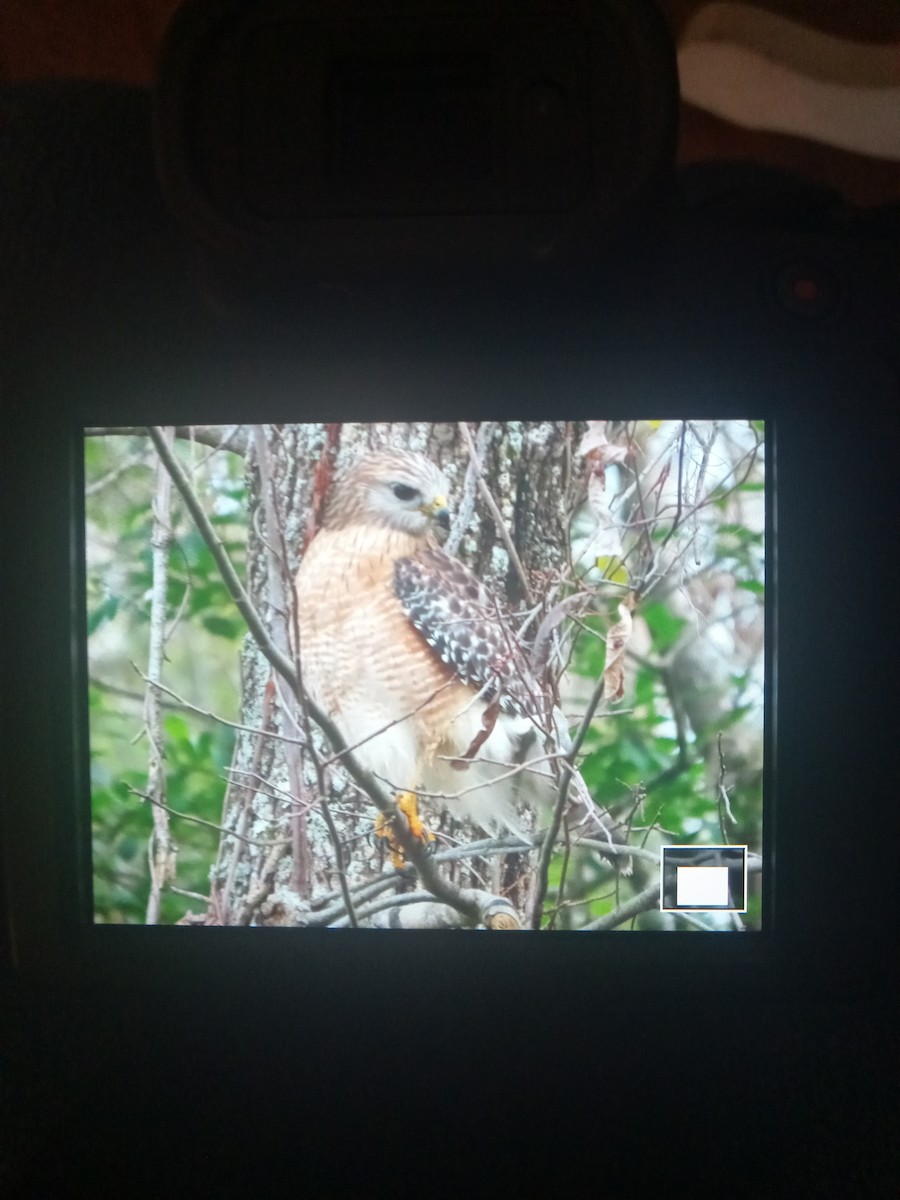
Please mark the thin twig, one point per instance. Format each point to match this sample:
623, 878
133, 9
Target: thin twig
135, 460
564, 870
724, 803
220, 437
180, 702
222, 829
123, 693
323, 917
514, 769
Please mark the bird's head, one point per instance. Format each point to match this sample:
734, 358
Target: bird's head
398, 489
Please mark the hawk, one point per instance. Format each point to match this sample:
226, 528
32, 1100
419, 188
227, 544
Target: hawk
417, 662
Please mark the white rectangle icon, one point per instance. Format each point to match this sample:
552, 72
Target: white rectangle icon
702, 887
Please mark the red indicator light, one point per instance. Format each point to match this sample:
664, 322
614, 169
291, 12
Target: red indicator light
806, 290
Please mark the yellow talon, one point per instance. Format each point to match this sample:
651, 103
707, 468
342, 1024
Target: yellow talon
408, 805
383, 830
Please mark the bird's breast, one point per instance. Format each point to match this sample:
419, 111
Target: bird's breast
358, 648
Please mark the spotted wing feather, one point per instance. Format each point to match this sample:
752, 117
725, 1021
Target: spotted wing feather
464, 624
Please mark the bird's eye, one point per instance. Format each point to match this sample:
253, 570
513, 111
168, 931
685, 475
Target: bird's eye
404, 492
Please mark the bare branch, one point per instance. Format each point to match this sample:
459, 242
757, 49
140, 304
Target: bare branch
648, 899
323, 917
263, 886
276, 657
180, 702
543, 639
724, 803
220, 437
222, 829
135, 460
495, 912
642, 902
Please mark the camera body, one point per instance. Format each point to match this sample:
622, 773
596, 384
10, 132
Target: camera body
732, 293
556, 267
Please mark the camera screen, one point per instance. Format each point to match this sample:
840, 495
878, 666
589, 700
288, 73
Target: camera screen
486, 675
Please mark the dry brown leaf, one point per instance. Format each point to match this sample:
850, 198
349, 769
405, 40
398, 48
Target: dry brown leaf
599, 451
488, 721
617, 640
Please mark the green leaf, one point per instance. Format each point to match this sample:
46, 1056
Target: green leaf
644, 687
95, 458
613, 568
664, 626
177, 728
223, 627
105, 611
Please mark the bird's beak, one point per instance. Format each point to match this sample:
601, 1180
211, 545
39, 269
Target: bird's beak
439, 511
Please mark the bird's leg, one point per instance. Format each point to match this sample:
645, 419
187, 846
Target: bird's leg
409, 806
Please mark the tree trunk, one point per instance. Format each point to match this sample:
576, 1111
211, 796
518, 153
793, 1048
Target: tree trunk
282, 863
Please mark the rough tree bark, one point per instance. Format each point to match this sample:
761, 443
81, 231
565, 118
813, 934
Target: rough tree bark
281, 864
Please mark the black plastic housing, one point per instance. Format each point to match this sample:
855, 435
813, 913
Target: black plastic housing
336, 143
438, 1064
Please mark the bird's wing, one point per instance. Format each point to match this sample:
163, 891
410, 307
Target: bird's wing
466, 627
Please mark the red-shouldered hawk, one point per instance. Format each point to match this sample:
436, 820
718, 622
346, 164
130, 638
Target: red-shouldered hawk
416, 661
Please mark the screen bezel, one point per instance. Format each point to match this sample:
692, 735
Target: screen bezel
48, 866
639, 817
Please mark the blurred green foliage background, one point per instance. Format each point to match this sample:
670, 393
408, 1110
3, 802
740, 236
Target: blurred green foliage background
202, 667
